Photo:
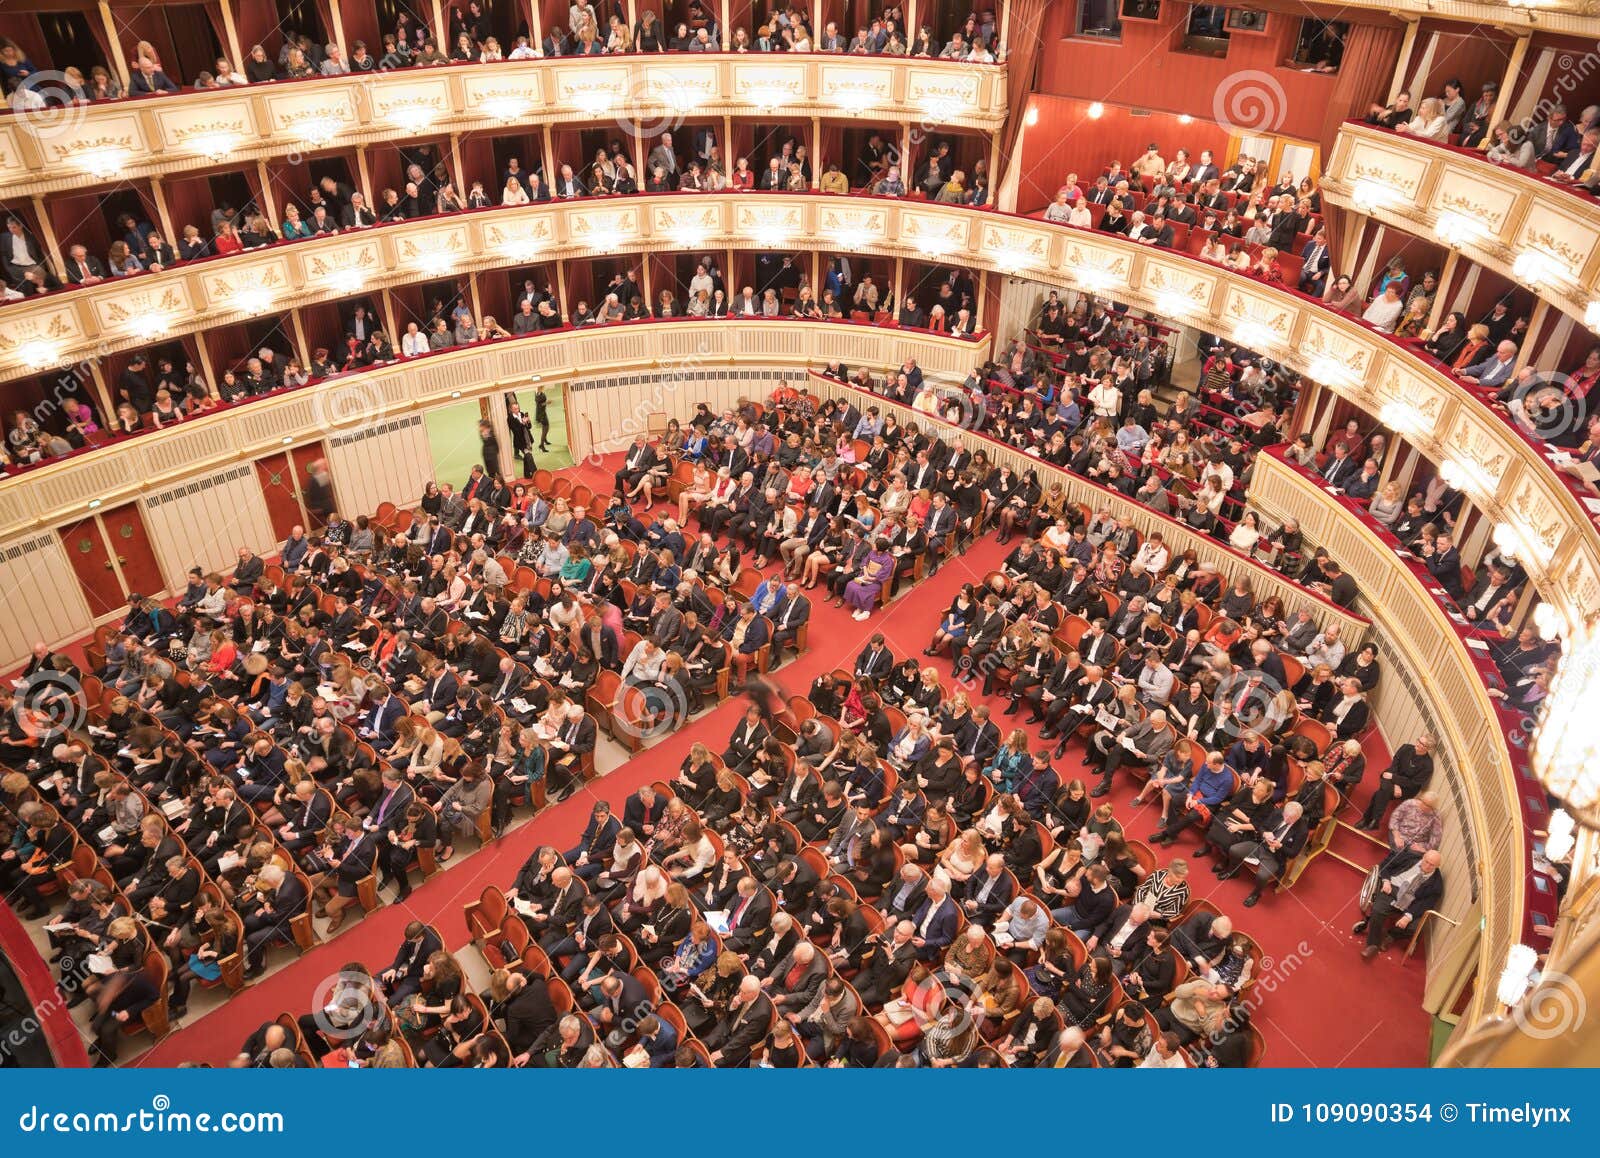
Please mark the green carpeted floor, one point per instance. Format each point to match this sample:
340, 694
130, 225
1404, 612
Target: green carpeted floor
456, 449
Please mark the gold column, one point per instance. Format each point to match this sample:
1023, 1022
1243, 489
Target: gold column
1446, 276
477, 306
304, 347
271, 205
364, 174
536, 24
1406, 45
388, 318
1502, 99
816, 153
456, 171
118, 60
1536, 321
910, 30
231, 28
161, 212
727, 18
207, 370
102, 393
561, 284
53, 256
441, 29
551, 168
338, 31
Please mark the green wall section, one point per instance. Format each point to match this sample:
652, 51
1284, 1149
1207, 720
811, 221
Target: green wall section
455, 448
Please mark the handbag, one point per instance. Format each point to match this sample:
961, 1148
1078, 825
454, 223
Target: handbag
1369, 888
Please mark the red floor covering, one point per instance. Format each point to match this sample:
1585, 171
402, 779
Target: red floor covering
1317, 1004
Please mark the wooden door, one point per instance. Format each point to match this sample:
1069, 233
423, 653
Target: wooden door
85, 545
132, 549
280, 491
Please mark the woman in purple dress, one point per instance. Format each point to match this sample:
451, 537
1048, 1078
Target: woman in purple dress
861, 592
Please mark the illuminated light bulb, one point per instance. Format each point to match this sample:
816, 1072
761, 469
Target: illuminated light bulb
1400, 416
1096, 111
102, 162
1512, 986
1536, 268
317, 131
1254, 335
689, 237
505, 108
1369, 195
151, 324
854, 101
1185, 119
1329, 371
521, 248
938, 108
1096, 280
1559, 839
38, 353
414, 119
768, 236
1457, 229
252, 301
1548, 620
344, 281
769, 97
1591, 316
216, 146
1031, 117
595, 102
435, 264
681, 99
1012, 261
850, 238
1173, 303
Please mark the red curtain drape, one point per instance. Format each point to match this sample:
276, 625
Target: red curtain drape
1370, 52
1024, 37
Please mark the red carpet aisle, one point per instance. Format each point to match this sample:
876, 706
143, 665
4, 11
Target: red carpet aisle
1318, 1004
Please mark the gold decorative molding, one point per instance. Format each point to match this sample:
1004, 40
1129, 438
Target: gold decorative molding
1492, 214
161, 136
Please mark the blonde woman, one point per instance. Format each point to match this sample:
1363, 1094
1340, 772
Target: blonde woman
1387, 504
964, 857
514, 193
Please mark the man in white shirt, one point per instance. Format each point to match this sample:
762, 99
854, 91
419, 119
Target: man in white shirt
1164, 1054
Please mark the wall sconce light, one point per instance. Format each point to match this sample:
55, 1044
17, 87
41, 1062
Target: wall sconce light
1185, 119
1465, 476
849, 238
1331, 372
768, 97
317, 131
1174, 304
521, 249
1031, 117
102, 163
435, 263
1401, 417
252, 301
1591, 315
1255, 335
150, 325
854, 101
689, 237
1558, 838
216, 146
1096, 111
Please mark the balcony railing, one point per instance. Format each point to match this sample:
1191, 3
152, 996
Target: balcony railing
147, 136
1519, 224
1508, 473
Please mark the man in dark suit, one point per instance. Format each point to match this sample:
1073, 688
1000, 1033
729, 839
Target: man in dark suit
1402, 898
1315, 261
979, 738
283, 899
793, 615
749, 914
642, 811
572, 743
588, 856
1444, 564
987, 892
529, 1014
748, 737
640, 460
876, 661
935, 922
745, 1026
377, 725
404, 975
1282, 838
